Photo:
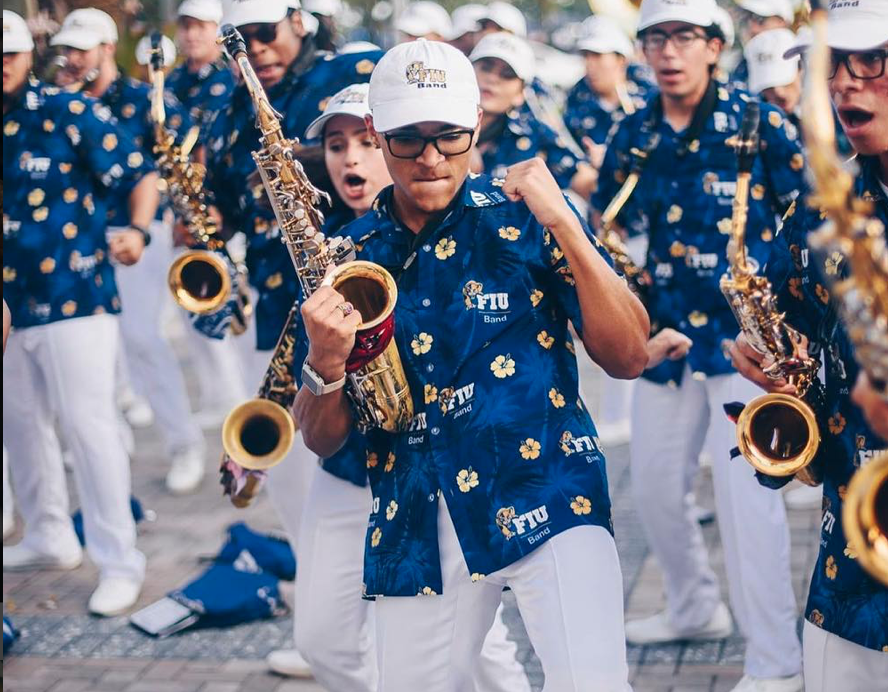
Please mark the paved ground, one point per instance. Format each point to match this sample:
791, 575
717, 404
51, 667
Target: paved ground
62, 649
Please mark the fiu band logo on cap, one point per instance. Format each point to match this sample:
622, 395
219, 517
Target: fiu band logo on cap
349, 95
425, 78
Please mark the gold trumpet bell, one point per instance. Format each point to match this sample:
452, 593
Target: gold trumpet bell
778, 435
865, 516
258, 433
199, 281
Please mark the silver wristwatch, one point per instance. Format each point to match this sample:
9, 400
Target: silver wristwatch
316, 384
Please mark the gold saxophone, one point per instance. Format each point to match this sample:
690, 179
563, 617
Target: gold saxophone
778, 434
377, 383
204, 278
852, 232
638, 279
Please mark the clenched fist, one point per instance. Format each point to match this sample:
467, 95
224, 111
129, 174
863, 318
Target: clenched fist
126, 247
532, 182
331, 323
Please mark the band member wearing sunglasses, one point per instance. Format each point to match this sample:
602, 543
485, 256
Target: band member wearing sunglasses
846, 629
500, 481
685, 197
299, 81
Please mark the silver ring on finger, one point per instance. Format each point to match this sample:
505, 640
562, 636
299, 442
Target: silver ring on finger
346, 308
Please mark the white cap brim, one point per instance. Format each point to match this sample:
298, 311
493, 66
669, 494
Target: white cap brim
687, 15
259, 12
76, 38
603, 45
391, 115
316, 128
847, 36
18, 44
774, 77
413, 26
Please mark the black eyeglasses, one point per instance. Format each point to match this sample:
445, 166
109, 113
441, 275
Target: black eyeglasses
263, 33
496, 67
868, 64
451, 143
681, 39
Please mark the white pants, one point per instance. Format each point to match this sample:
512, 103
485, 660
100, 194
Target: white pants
669, 431
155, 371
570, 595
833, 664
8, 498
66, 369
334, 625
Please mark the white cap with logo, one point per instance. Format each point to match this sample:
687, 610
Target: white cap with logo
423, 18
85, 29
767, 66
696, 12
16, 34
511, 49
507, 17
203, 10
423, 81
465, 18
769, 8
852, 26
350, 101
601, 34
243, 12
167, 47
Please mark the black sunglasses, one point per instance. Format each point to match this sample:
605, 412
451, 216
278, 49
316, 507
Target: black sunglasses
263, 33
868, 64
410, 146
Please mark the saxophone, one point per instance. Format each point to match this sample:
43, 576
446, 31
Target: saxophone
778, 434
255, 435
638, 279
862, 298
203, 279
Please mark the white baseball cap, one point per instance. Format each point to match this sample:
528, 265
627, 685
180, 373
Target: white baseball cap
204, 10
16, 34
243, 12
350, 101
696, 12
465, 18
507, 17
168, 48
601, 34
85, 29
424, 18
511, 49
725, 23
767, 66
863, 26
423, 81
769, 8
327, 8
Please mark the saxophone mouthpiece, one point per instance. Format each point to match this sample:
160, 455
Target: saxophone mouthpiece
156, 51
230, 39
746, 142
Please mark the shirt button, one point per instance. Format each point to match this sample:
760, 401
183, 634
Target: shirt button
427, 248
426, 302
431, 497
436, 430
430, 367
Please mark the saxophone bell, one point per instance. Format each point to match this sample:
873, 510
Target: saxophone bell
865, 516
199, 281
258, 434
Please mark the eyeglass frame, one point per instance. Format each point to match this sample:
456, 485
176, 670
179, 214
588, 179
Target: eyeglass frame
841, 57
433, 140
250, 36
669, 38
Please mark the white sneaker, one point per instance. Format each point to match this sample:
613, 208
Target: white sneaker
614, 434
114, 596
138, 412
289, 662
8, 524
657, 630
187, 471
804, 497
750, 684
20, 558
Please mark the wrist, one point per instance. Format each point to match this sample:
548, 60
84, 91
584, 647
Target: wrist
139, 228
330, 370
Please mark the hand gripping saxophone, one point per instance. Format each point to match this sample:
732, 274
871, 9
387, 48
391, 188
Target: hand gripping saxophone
204, 279
378, 387
852, 233
638, 278
777, 433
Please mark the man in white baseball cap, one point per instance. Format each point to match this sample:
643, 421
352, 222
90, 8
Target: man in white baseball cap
88, 41
680, 202
503, 16
776, 78
845, 625
424, 19
447, 530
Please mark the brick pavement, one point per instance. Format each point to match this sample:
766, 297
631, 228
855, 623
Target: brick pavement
62, 649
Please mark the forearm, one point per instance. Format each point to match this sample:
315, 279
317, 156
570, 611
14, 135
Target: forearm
143, 201
325, 421
615, 323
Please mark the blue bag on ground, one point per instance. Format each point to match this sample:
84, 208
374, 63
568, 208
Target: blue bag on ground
10, 634
271, 554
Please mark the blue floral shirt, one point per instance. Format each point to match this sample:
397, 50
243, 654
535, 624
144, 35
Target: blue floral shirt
586, 115
203, 93
843, 599
130, 102
63, 156
300, 97
524, 136
684, 206
482, 328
